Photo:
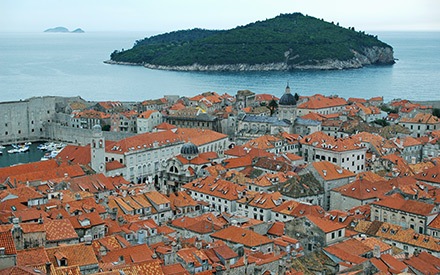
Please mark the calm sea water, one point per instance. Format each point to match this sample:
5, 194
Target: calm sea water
37, 64
34, 154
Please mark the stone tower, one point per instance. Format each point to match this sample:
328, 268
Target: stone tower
287, 106
97, 150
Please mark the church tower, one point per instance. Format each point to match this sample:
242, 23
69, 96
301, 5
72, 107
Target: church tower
287, 106
97, 150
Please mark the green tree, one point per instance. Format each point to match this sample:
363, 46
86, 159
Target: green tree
106, 127
273, 106
436, 112
296, 96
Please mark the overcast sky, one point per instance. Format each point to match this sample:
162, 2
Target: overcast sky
168, 15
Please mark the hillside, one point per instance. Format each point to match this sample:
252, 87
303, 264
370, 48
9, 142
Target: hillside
288, 41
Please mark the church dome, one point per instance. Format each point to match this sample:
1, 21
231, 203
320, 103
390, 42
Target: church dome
287, 98
189, 149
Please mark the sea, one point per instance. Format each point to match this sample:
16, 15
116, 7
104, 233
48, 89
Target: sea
71, 64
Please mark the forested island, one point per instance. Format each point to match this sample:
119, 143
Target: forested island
286, 42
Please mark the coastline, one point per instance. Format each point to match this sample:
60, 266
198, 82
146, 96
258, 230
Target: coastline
369, 56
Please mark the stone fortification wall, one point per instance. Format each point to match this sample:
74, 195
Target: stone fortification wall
77, 135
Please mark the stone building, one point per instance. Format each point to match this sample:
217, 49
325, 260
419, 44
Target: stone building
244, 98
314, 233
329, 176
25, 120
287, 106
147, 120
406, 213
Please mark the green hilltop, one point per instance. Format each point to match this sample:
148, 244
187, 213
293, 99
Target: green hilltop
294, 40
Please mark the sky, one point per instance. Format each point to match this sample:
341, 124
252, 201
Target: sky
168, 15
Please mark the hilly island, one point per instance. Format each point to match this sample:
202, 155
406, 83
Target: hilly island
286, 42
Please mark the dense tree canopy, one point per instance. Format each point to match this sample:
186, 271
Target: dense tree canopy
290, 38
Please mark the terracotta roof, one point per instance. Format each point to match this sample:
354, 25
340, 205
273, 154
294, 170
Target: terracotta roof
277, 229
165, 126
424, 263
299, 209
24, 194
315, 116
21, 270
262, 199
32, 257
113, 165
59, 230
181, 199
242, 236
363, 189
77, 254
144, 141
370, 176
131, 254
265, 97
320, 102
264, 142
216, 187
326, 142
421, 118
78, 222
147, 114
393, 263
157, 198
326, 225
75, 154
345, 255
330, 171
430, 175
411, 206
174, 269
7, 242
199, 136
60, 172
192, 255
91, 183
27, 168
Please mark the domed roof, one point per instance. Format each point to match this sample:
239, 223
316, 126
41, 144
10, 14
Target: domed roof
287, 99
189, 149
97, 128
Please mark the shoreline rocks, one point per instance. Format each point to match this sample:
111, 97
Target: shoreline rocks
370, 56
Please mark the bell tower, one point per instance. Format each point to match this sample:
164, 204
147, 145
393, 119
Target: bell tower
97, 150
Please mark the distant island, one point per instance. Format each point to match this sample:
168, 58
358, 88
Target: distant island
63, 29
286, 42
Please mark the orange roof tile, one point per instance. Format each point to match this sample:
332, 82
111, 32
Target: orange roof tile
326, 225
242, 236
7, 242
75, 154
216, 187
59, 230
76, 255
411, 206
421, 118
131, 254
320, 102
330, 171
32, 257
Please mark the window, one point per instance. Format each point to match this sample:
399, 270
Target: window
333, 235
